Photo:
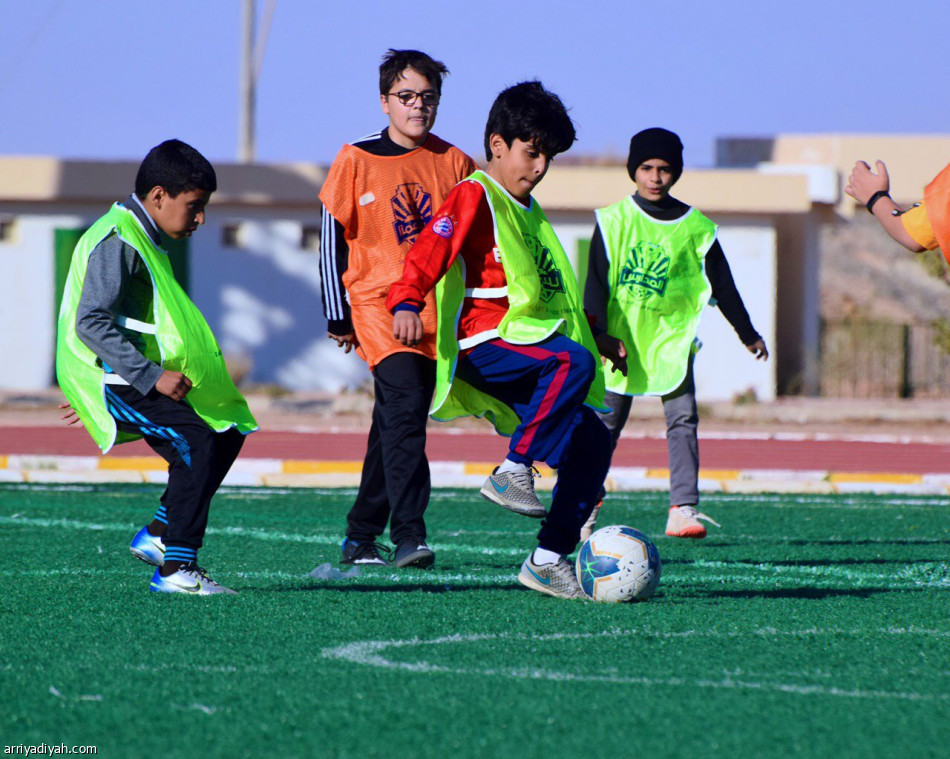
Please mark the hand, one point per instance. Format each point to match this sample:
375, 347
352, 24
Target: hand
759, 350
863, 182
347, 342
173, 384
407, 328
69, 415
614, 351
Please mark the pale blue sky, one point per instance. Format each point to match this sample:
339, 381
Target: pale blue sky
104, 79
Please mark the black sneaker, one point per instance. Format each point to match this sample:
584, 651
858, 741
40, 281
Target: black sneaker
413, 552
364, 553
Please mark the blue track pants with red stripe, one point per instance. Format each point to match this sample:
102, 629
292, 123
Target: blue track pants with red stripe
546, 384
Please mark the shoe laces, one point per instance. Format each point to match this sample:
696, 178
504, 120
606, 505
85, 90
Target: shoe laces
690, 512
193, 568
384, 551
524, 478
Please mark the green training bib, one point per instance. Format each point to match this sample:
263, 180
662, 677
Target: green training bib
178, 338
658, 288
542, 297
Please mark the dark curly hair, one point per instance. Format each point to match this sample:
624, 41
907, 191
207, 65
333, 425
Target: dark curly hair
177, 167
528, 112
397, 61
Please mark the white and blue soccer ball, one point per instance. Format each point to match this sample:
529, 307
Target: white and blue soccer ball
618, 564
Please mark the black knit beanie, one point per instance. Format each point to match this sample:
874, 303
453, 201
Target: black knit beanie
655, 143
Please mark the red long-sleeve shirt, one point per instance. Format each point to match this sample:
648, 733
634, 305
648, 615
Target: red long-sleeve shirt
461, 227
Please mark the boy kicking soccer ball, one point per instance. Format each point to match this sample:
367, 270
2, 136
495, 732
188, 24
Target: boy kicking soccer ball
513, 342
135, 358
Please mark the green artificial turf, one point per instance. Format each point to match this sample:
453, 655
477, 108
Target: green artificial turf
813, 626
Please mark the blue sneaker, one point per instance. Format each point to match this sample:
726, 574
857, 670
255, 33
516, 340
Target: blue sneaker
148, 548
188, 579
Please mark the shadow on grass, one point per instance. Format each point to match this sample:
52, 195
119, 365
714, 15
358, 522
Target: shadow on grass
758, 560
421, 587
858, 542
815, 594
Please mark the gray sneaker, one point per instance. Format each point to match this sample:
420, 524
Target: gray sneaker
591, 524
413, 552
515, 491
556, 579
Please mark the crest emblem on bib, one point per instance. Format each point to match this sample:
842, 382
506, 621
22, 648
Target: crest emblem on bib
551, 280
646, 271
412, 210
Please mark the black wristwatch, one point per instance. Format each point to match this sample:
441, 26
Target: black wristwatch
874, 199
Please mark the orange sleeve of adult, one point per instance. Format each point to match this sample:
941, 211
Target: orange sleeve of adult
917, 225
937, 201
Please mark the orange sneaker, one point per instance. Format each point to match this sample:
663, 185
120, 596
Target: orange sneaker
683, 522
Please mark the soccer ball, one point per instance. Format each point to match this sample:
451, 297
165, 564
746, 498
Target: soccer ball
618, 564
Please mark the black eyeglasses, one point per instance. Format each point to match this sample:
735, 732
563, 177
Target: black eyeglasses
409, 97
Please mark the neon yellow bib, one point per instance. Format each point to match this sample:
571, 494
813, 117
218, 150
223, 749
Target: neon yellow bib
542, 297
658, 288
182, 341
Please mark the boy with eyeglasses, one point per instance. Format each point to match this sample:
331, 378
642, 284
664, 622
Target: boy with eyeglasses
514, 343
378, 195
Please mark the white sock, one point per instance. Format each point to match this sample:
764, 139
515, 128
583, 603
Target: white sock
544, 556
511, 466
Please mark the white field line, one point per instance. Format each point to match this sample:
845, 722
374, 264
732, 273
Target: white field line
333, 538
781, 500
786, 500
931, 574
370, 653
463, 579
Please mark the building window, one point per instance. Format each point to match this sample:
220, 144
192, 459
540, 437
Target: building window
231, 235
7, 230
309, 237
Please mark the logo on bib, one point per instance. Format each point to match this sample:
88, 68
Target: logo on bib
412, 210
552, 282
646, 271
443, 227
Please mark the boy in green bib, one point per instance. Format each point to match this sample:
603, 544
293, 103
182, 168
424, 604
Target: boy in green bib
135, 358
513, 343
655, 263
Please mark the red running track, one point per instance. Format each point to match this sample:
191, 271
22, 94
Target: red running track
716, 453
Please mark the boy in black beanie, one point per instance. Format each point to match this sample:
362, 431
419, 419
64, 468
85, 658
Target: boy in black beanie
655, 263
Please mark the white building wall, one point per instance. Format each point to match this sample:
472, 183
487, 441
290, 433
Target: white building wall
724, 368
263, 301
27, 321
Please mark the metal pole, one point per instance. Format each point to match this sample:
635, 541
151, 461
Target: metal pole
246, 151
907, 380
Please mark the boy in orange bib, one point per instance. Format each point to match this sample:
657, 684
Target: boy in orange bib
379, 194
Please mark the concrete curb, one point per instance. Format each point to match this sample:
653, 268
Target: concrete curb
461, 474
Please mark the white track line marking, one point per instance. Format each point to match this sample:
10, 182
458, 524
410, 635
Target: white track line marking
370, 653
